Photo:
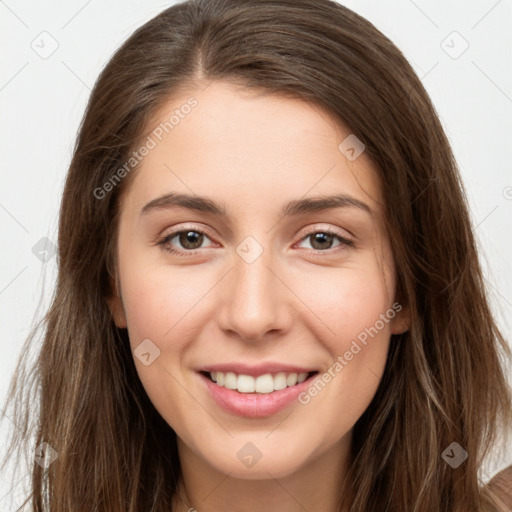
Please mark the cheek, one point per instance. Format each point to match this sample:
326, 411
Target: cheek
347, 301
355, 307
162, 303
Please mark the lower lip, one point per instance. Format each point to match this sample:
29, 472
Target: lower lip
254, 405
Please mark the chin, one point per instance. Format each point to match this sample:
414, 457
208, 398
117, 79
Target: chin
257, 460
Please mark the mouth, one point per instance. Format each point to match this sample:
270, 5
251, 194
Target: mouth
266, 383
255, 390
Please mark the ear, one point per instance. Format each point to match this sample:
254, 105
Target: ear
401, 321
115, 303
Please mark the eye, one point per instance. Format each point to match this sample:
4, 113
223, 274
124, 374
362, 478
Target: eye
322, 240
190, 240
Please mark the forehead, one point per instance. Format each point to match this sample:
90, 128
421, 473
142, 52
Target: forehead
250, 148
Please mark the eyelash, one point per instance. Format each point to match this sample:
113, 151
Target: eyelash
163, 242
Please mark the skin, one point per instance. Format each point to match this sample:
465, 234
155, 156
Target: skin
297, 303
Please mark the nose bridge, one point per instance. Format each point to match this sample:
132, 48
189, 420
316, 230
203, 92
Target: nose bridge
254, 303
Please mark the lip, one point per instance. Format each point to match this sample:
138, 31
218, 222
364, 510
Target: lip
253, 405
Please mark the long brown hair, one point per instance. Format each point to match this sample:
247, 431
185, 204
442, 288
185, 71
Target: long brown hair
444, 380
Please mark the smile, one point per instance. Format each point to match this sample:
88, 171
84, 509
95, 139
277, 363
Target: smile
264, 393
266, 383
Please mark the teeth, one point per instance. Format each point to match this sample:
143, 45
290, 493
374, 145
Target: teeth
266, 383
301, 377
230, 380
280, 381
291, 380
245, 384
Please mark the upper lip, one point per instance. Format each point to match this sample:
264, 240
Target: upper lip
255, 369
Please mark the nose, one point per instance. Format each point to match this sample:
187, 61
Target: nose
256, 302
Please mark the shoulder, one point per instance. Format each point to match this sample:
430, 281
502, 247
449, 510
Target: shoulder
501, 485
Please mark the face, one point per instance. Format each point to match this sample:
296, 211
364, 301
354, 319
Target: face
257, 285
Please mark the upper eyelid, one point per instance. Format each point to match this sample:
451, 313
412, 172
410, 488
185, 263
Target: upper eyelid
305, 233
318, 228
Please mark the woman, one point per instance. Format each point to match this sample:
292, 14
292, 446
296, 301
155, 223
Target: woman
251, 372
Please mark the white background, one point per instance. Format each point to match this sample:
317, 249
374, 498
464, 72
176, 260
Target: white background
42, 101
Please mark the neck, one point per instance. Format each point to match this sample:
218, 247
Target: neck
314, 486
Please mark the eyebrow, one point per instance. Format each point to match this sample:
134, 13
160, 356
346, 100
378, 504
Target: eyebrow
295, 207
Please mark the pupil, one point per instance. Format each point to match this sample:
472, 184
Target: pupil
191, 237
321, 238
